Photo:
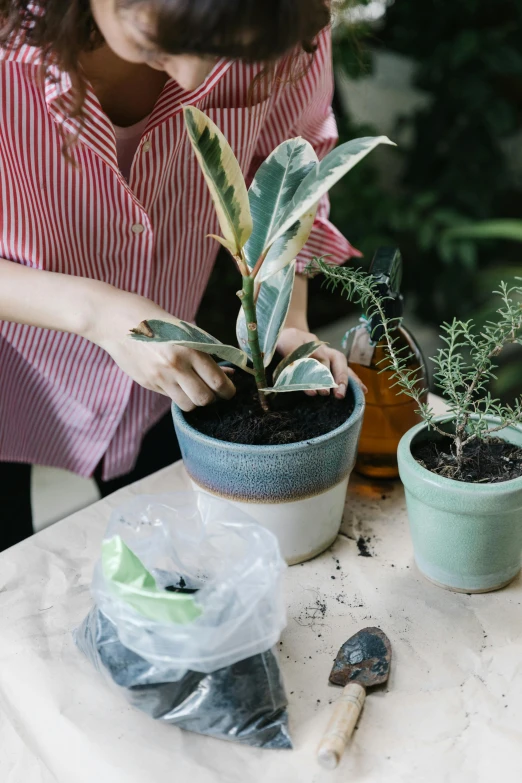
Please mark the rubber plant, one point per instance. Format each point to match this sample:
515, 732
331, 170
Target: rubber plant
264, 228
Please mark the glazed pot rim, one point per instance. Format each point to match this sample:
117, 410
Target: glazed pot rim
404, 452
353, 418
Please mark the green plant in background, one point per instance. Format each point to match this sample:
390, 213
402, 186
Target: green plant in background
468, 62
263, 229
465, 365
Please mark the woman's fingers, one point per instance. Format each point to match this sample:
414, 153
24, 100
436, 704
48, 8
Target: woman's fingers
177, 395
196, 389
339, 369
191, 379
338, 366
341, 372
214, 376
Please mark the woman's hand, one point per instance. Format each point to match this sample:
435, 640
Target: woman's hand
291, 338
190, 378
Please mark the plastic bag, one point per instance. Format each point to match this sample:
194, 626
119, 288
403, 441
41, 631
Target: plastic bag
213, 672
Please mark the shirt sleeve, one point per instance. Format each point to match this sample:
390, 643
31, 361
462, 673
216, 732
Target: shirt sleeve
303, 108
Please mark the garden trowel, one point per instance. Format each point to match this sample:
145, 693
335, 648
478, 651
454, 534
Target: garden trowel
362, 662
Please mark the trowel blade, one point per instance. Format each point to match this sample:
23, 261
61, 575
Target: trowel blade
365, 658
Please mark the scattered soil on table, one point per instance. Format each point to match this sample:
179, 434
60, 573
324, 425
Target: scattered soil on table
485, 461
293, 416
362, 546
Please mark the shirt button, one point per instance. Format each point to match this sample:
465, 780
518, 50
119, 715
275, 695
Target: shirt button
137, 228
146, 146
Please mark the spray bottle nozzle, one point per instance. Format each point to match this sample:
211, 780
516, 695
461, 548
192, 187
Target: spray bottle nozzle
386, 269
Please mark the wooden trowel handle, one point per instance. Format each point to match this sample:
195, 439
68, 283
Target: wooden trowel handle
341, 726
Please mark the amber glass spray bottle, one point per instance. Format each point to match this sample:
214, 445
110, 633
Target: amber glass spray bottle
389, 413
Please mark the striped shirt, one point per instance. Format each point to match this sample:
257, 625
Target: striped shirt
63, 400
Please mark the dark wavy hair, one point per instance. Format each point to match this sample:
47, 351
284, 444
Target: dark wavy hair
252, 30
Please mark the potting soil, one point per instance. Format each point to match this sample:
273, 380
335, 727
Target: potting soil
488, 461
244, 702
293, 416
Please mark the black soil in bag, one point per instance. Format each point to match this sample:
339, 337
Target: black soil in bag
244, 703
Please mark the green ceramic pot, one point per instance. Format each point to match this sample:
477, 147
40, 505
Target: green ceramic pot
466, 537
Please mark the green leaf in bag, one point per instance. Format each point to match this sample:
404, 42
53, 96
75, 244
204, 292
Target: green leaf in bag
131, 582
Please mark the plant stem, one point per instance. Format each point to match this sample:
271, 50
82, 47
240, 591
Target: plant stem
247, 296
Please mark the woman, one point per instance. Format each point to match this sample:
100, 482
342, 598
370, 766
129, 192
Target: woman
103, 214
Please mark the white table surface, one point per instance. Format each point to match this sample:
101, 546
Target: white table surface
452, 712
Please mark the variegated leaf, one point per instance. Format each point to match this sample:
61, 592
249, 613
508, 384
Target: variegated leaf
287, 247
303, 352
321, 178
271, 310
189, 336
223, 176
273, 188
303, 375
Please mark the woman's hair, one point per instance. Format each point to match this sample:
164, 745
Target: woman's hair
253, 30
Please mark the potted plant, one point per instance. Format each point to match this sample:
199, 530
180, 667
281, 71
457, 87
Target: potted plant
462, 472
294, 484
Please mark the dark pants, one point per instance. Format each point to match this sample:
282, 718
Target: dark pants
159, 449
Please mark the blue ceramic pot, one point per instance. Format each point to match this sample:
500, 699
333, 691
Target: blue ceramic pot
296, 490
466, 537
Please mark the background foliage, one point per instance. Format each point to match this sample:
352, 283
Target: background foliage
468, 58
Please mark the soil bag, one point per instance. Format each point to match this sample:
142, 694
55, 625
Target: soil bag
188, 607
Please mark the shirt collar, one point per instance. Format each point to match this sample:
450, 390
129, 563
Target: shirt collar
58, 83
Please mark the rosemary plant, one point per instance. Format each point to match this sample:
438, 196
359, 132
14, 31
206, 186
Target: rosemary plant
464, 366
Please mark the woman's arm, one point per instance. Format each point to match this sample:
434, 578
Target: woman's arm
46, 299
105, 315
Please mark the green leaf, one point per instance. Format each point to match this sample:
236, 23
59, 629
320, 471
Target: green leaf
189, 336
303, 375
321, 178
303, 352
129, 580
273, 188
487, 229
272, 306
224, 179
287, 247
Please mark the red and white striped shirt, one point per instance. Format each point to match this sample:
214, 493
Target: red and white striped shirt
63, 401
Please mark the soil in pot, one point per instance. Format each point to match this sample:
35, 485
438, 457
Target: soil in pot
485, 461
293, 416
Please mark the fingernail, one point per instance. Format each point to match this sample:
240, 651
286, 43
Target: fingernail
341, 391
365, 389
